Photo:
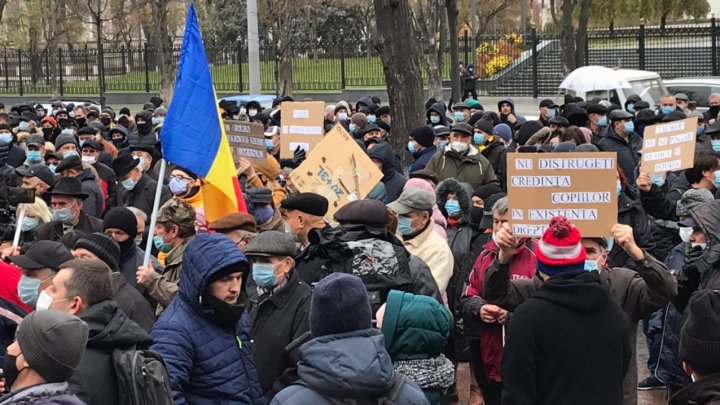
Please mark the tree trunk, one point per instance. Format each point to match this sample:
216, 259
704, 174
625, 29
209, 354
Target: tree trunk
162, 43
581, 34
663, 21
100, 58
284, 74
401, 65
567, 37
452, 15
2, 8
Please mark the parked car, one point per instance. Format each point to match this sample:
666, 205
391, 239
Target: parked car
614, 85
75, 101
265, 100
698, 89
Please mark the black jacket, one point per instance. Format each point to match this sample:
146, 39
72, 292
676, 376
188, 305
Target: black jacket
93, 204
278, 319
705, 392
394, 181
95, 382
53, 230
628, 152
630, 212
568, 344
420, 159
142, 196
131, 302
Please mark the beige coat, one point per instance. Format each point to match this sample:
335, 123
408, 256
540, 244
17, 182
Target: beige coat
432, 249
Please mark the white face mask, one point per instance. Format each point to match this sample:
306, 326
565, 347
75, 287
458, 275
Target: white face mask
252, 113
459, 147
43, 302
88, 159
243, 110
702, 246
685, 232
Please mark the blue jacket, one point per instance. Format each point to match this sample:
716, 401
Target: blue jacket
347, 365
422, 158
207, 363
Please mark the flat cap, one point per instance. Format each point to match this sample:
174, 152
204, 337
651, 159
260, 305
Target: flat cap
548, 103
309, 203
93, 144
234, 221
426, 175
596, 109
413, 199
559, 120
271, 244
40, 171
681, 96
70, 162
641, 105
36, 140
462, 128
620, 115
367, 212
441, 130
691, 199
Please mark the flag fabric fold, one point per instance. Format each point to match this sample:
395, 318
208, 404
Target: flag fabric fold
193, 136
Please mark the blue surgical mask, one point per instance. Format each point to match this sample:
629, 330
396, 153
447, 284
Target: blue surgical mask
352, 127
33, 156
161, 245
157, 120
629, 126
28, 224
5, 138
442, 145
459, 116
602, 121
658, 179
24, 126
452, 207
631, 108
264, 275
69, 153
591, 265
269, 145
715, 144
550, 112
716, 180
610, 243
177, 186
63, 215
666, 109
82, 143
405, 225
128, 184
618, 188
371, 119
411, 147
435, 119
478, 139
27, 290
263, 214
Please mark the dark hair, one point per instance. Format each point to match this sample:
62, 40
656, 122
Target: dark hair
91, 279
573, 134
623, 179
705, 161
183, 231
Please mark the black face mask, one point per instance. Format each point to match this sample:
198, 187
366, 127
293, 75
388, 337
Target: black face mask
224, 314
126, 247
64, 122
556, 132
10, 369
106, 121
476, 214
144, 127
81, 121
47, 133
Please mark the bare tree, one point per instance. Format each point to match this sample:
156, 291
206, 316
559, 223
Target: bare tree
452, 17
428, 16
572, 41
162, 43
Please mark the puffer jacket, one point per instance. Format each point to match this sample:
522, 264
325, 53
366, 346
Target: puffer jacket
145, 134
393, 180
349, 365
470, 167
440, 109
42, 394
207, 363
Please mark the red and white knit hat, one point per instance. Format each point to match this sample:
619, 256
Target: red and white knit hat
559, 250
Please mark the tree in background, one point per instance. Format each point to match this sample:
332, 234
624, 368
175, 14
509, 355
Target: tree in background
430, 22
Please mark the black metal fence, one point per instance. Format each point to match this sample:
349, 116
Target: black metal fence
509, 64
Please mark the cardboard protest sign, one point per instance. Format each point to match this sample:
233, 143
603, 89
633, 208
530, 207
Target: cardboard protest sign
577, 185
338, 169
302, 125
669, 146
247, 140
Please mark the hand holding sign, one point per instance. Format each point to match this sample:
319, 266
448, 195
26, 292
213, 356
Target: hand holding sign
623, 235
507, 242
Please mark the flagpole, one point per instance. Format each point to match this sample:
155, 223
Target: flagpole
156, 207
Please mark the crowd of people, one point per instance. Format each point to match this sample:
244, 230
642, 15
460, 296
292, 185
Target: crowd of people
381, 302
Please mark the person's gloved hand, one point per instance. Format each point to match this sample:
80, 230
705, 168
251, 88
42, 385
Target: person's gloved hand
708, 258
299, 155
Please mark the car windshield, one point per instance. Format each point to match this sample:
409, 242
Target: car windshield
650, 90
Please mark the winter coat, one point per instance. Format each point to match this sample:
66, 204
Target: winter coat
423, 282
432, 249
393, 180
630, 212
130, 263
348, 365
661, 202
567, 344
420, 159
490, 336
440, 109
93, 204
206, 362
494, 152
503, 119
12, 309
439, 220
705, 391
470, 167
164, 287
639, 292
628, 151
142, 196
53, 230
95, 382
109, 180
417, 328
132, 303
42, 394
278, 319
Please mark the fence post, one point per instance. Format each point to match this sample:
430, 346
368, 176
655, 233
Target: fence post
587, 49
239, 62
713, 33
60, 68
641, 47
343, 78
147, 69
467, 45
533, 34
7, 72
19, 56
47, 67
87, 64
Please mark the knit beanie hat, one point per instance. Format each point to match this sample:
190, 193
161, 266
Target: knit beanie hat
52, 343
691, 199
484, 124
423, 135
700, 334
63, 139
121, 218
103, 246
503, 131
339, 305
559, 250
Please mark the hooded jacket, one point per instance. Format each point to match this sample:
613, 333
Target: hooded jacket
470, 167
440, 109
206, 362
393, 180
95, 382
348, 365
145, 134
123, 142
568, 344
503, 118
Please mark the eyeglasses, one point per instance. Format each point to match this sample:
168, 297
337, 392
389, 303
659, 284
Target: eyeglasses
181, 177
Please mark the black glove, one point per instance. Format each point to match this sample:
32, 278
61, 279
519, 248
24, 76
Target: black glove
299, 155
708, 258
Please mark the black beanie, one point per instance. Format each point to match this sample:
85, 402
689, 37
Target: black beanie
423, 135
339, 305
484, 124
121, 218
102, 246
700, 334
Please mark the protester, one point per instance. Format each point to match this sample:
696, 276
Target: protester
422, 183
267, 216
138, 189
239, 227
384, 158
72, 166
68, 215
38, 177
91, 152
506, 108
421, 147
621, 138
36, 214
304, 213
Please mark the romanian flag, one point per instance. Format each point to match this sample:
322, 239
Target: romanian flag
193, 135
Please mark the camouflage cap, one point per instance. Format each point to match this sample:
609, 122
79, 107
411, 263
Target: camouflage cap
177, 211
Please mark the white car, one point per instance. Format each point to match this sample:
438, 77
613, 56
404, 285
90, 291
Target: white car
697, 89
615, 85
85, 102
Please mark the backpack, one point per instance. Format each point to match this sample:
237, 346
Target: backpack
142, 378
389, 398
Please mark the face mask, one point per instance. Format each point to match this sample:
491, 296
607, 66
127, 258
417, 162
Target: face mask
263, 215
352, 128
158, 120
459, 147
685, 232
411, 147
47, 132
591, 265
550, 113
63, 215
435, 119
459, 117
82, 143
10, 370
405, 225
479, 139
33, 156
177, 186
252, 113
630, 108
106, 121
44, 301
342, 116
442, 145
88, 159
68, 131
602, 121
161, 245
269, 145
372, 119
52, 168
5, 138
658, 179
27, 290
716, 180
28, 224
243, 110
138, 242
128, 184
69, 153
476, 214
610, 243
667, 109
24, 126
618, 188
702, 246
715, 145
264, 275
452, 207
629, 127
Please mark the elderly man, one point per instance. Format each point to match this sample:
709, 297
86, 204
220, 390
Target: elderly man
72, 166
66, 201
35, 150
137, 188
303, 213
239, 227
38, 177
